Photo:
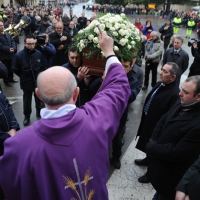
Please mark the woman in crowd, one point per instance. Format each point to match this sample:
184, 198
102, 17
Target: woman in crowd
147, 29
138, 24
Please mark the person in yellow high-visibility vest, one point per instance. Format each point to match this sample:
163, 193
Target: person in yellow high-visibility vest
2, 15
176, 23
190, 25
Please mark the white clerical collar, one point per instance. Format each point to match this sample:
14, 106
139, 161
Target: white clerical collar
60, 112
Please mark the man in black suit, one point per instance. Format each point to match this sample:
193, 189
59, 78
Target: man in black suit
61, 40
177, 54
76, 25
175, 143
43, 27
27, 19
166, 33
82, 21
158, 102
72, 30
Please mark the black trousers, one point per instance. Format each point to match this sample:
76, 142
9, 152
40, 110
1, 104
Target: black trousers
8, 64
157, 196
117, 140
27, 32
150, 66
27, 102
165, 46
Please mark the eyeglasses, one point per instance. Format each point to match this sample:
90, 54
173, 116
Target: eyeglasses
30, 44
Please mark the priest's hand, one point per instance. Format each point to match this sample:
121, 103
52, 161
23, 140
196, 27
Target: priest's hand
106, 44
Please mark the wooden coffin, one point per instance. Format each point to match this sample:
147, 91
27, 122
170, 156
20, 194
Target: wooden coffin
96, 63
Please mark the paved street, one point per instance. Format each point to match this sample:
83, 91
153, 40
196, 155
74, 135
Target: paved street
122, 184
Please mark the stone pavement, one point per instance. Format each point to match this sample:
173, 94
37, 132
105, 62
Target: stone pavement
123, 184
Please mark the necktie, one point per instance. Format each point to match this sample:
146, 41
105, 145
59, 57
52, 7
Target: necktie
71, 32
146, 107
151, 46
175, 52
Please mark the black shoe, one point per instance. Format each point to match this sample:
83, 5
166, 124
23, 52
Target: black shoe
144, 87
14, 81
116, 163
8, 84
26, 121
143, 179
141, 162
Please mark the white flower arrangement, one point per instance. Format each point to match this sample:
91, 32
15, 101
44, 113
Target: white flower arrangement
127, 40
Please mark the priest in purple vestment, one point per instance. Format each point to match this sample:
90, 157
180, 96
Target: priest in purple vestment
64, 155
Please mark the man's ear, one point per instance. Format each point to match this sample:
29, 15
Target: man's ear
173, 78
75, 94
198, 96
37, 93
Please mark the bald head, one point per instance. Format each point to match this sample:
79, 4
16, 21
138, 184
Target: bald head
59, 27
56, 86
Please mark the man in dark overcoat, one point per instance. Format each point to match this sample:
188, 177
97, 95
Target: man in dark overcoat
175, 143
163, 99
82, 21
61, 40
177, 54
72, 30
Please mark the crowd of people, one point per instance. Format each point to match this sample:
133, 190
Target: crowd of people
189, 20
65, 153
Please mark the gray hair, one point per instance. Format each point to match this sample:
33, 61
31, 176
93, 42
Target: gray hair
195, 79
154, 33
60, 23
62, 98
175, 69
175, 35
179, 38
38, 17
